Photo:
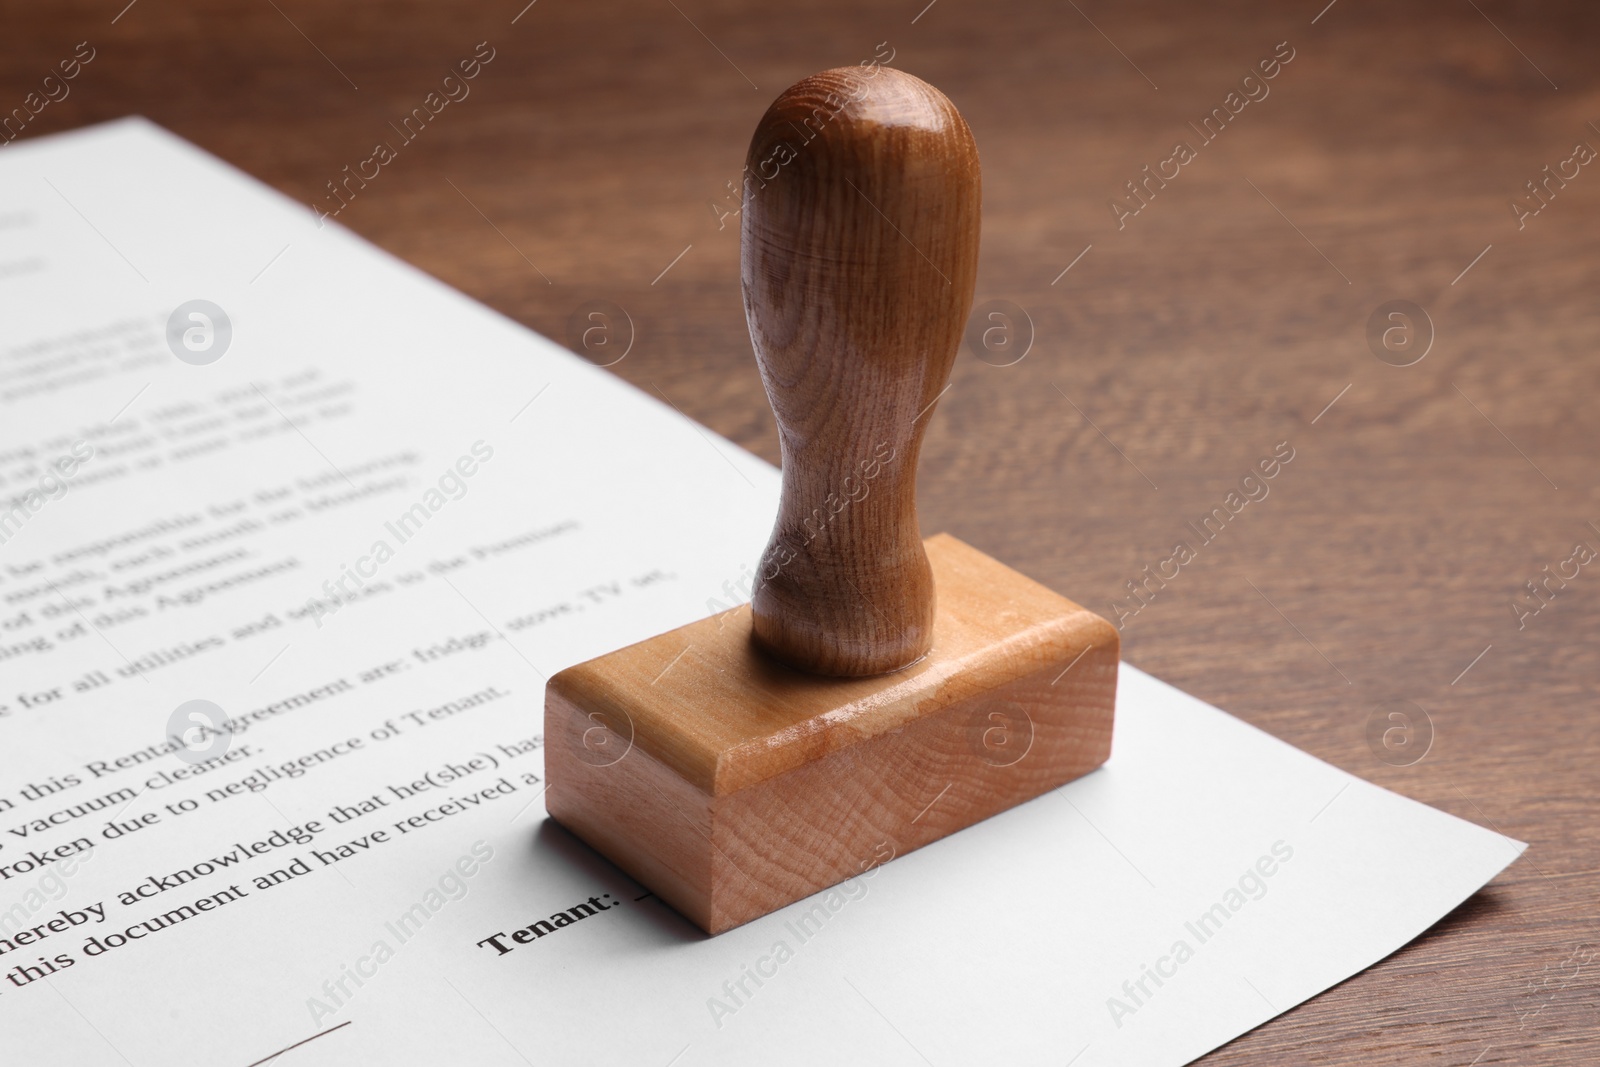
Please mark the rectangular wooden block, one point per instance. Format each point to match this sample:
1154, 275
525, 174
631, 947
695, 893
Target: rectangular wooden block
732, 786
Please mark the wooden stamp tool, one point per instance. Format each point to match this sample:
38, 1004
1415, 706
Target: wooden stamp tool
880, 691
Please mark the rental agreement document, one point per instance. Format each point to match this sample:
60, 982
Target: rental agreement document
291, 536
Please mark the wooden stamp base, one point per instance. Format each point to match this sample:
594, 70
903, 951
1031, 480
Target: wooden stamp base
731, 785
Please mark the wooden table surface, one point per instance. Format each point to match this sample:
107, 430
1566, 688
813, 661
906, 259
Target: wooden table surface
1229, 315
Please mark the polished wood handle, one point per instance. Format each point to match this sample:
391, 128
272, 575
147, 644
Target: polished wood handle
859, 252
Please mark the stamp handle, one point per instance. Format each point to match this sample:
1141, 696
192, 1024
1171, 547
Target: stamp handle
859, 253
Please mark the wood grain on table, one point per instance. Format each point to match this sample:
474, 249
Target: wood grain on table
1172, 349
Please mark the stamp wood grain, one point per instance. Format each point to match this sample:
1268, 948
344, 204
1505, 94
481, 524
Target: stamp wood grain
732, 785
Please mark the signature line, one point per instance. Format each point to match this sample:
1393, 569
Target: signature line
297, 1044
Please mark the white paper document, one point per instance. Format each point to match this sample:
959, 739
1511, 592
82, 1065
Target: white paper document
255, 470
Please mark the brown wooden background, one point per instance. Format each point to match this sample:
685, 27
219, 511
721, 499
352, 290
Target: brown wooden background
1197, 338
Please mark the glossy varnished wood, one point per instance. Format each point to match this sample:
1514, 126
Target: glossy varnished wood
801, 732
601, 141
859, 251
